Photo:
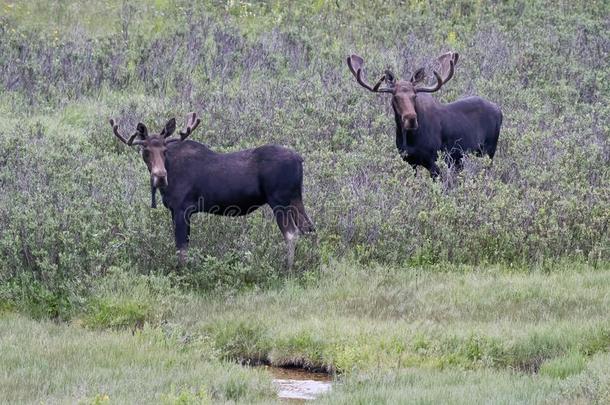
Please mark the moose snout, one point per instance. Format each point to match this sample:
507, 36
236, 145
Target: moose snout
159, 178
410, 121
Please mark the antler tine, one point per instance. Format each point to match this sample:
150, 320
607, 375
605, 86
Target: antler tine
115, 130
129, 142
192, 122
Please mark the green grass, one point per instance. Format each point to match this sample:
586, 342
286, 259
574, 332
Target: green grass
469, 334
61, 363
450, 386
358, 319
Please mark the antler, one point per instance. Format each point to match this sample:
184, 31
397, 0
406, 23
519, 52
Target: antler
132, 139
192, 122
447, 63
355, 64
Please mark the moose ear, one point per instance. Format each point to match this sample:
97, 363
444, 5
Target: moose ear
169, 129
142, 131
418, 76
389, 77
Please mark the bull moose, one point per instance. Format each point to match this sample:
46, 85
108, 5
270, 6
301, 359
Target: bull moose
425, 127
193, 178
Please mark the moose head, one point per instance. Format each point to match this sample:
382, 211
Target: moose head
154, 146
404, 92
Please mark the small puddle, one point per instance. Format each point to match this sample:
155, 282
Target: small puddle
297, 384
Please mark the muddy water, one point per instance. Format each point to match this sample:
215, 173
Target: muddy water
297, 384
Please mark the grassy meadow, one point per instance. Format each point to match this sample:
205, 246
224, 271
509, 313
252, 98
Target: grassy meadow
482, 335
487, 286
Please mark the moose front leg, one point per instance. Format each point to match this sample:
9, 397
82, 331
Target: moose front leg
434, 170
181, 234
153, 195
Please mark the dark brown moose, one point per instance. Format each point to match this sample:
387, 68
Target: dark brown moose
425, 127
193, 178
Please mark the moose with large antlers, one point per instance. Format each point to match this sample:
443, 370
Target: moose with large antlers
193, 178
425, 127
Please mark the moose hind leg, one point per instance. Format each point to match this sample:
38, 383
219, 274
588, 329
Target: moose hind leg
290, 231
301, 219
291, 243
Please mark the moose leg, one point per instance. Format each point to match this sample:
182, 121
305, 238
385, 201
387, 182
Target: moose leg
153, 195
434, 170
181, 231
290, 231
301, 219
291, 244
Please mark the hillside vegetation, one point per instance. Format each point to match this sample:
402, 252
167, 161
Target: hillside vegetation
80, 243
